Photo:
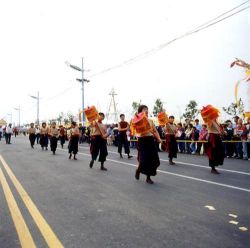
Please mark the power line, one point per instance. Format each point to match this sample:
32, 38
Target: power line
199, 28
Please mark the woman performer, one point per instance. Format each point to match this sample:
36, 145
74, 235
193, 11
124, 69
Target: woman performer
62, 135
32, 135
53, 134
215, 149
98, 133
147, 151
123, 127
73, 140
171, 143
44, 136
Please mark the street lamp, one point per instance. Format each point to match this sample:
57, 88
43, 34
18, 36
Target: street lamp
19, 110
37, 98
82, 80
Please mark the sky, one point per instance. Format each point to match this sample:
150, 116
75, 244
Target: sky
39, 36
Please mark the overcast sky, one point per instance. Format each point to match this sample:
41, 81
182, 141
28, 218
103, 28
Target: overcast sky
37, 37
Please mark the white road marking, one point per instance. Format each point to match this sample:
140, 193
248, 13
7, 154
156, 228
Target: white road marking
175, 174
185, 163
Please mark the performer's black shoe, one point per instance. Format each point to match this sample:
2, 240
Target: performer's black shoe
214, 171
137, 174
121, 155
149, 181
54, 153
46, 149
70, 155
102, 167
129, 156
75, 157
91, 164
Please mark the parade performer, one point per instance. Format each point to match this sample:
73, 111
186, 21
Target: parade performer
146, 133
171, 144
123, 127
73, 140
215, 149
53, 135
98, 142
37, 134
62, 135
32, 135
44, 136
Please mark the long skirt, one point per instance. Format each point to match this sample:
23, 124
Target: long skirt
53, 143
73, 144
148, 157
215, 150
32, 138
172, 147
44, 140
123, 141
98, 146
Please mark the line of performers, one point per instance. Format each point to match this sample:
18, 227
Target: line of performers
148, 158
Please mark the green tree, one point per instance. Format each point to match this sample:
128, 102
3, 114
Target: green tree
158, 107
191, 110
70, 116
60, 118
234, 108
135, 106
66, 121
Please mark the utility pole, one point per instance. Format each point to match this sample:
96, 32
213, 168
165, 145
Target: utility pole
82, 80
112, 104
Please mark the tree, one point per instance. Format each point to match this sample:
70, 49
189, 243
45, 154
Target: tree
234, 108
60, 118
158, 107
135, 106
66, 121
70, 116
191, 110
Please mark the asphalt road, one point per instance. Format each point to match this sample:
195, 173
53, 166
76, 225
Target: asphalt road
83, 207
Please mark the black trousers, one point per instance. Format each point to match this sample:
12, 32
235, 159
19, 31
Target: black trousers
53, 143
98, 146
123, 141
32, 138
7, 138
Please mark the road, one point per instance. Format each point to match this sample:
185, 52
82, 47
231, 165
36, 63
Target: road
50, 201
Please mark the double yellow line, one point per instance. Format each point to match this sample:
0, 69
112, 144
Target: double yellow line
23, 232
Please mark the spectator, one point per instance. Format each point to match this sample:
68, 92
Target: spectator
180, 136
248, 137
203, 136
194, 137
241, 134
229, 134
188, 133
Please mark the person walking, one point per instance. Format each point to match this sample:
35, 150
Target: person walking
53, 134
148, 157
44, 136
8, 133
123, 127
73, 140
32, 135
98, 142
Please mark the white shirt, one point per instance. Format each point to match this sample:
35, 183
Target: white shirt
9, 130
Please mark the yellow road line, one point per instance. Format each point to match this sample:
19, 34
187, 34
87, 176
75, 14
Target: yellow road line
23, 232
48, 234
